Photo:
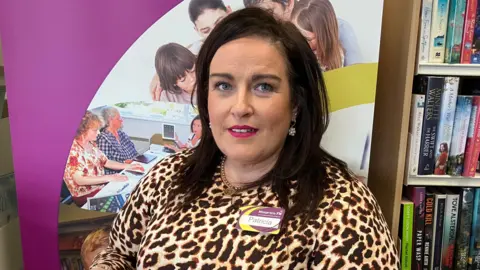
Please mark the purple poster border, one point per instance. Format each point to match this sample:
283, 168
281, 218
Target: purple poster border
57, 54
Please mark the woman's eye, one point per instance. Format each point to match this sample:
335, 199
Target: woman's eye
264, 87
223, 86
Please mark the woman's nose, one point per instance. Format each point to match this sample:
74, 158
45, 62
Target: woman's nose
242, 106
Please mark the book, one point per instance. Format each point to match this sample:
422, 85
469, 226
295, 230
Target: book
432, 88
453, 45
468, 28
417, 196
438, 31
467, 196
445, 124
456, 155
416, 124
425, 29
406, 233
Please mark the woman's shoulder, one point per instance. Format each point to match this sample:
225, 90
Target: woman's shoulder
358, 222
349, 189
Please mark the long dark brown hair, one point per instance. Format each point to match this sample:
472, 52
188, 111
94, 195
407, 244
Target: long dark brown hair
318, 17
302, 159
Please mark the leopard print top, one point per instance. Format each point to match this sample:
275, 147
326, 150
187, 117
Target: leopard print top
349, 231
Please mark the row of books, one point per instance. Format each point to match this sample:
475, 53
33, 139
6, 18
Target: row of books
444, 131
450, 32
71, 263
440, 228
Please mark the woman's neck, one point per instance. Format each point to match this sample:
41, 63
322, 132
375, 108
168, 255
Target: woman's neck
83, 142
241, 174
112, 130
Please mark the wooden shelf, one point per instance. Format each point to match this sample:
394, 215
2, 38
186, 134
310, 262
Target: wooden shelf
449, 69
443, 180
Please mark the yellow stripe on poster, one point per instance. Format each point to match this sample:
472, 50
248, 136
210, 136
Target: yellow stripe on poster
351, 86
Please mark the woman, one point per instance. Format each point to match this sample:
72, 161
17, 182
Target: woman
442, 157
193, 141
176, 73
85, 170
262, 96
113, 142
317, 21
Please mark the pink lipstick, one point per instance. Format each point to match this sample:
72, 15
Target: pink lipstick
242, 131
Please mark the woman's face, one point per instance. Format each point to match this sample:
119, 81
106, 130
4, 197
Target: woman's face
91, 134
249, 100
117, 121
197, 128
187, 82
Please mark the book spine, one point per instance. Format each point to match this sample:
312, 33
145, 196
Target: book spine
433, 97
474, 251
453, 44
468, 28
428, 235
425, 29
438, 31
450, 230
464, 228
417, 196
407, 227
416, 124
476, 38
471, 138
439, 218
459, 136
445, 124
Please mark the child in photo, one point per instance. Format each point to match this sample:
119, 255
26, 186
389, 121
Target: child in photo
316, 20
175, 66
284, 9
204, 14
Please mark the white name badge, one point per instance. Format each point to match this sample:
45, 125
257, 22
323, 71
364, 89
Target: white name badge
261, 219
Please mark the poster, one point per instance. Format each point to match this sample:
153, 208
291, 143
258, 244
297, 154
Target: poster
107, 83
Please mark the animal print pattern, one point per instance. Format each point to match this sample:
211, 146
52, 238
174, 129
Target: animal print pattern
349, 230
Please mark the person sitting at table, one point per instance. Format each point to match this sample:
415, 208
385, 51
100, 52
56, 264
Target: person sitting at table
193, 140
258, 191
112, 141
85, 169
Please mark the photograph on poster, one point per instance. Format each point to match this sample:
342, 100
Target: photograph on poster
144, 111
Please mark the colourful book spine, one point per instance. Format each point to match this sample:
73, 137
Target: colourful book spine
470, 163
476, 38
445, 125
428, 235
438, 230
452, 205
474, 248
468, 28
406, 233
464, 228
425, 29
417, 196
456, 155
438, 31
456, 20
432, 87
416, 124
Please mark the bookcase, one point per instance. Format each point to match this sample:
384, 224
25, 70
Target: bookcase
74, 225
398, 65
